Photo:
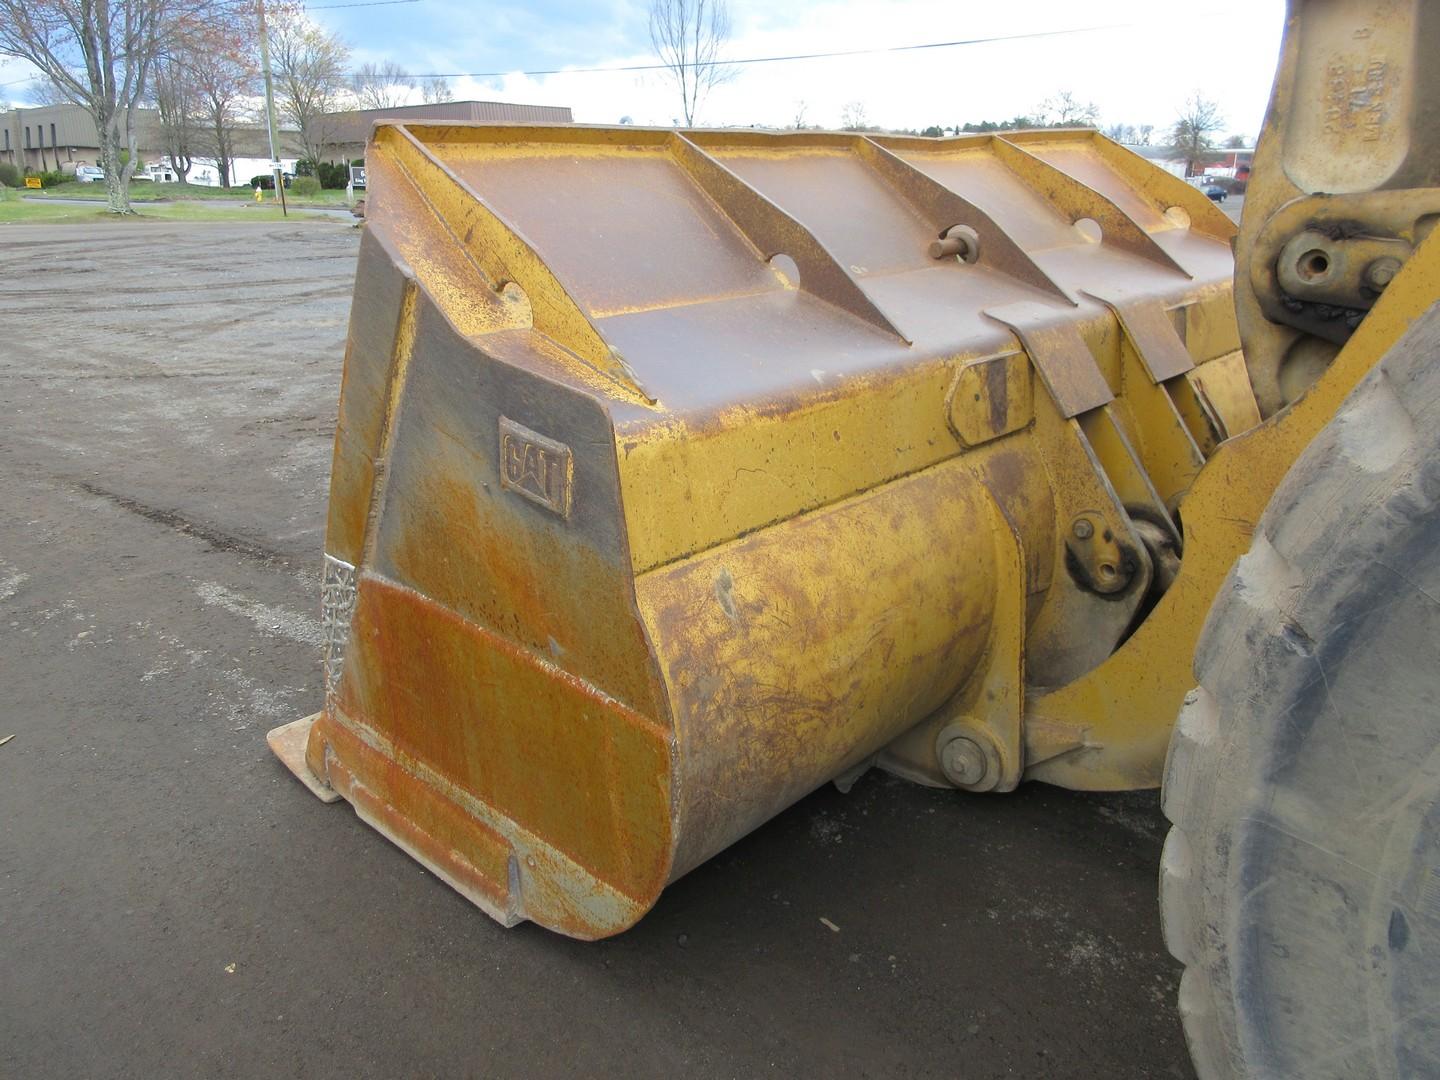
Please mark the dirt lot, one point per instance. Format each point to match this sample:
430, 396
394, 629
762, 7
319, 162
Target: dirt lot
173, 903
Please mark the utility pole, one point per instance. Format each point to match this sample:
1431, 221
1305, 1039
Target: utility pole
270, 109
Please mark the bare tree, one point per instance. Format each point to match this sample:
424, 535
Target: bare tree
1131, 134
436, 90
223, 83
799, 122
688, 36
101, 54
310, 80
45, 92
852, 116
1065, 110
173, 95
382, 86
1191, 139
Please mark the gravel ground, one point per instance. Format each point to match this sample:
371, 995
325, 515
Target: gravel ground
172, 902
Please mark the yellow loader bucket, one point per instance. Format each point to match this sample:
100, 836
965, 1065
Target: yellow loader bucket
678, 473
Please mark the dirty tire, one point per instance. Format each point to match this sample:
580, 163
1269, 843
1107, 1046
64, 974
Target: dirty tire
1300, 885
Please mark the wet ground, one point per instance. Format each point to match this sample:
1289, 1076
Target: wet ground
173, 903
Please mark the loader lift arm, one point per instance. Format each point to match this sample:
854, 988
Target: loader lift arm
1298, 884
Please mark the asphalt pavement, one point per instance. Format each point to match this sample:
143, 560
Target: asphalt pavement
173, 903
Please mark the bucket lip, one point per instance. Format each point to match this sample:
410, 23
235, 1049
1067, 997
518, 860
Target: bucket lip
540, 883
288, 742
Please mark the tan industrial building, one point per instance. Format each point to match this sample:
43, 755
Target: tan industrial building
352, 129
63, 136
53, 136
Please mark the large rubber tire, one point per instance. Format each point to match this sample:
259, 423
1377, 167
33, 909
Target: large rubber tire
1300, 885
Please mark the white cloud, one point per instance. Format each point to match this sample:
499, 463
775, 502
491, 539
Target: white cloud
1140, 72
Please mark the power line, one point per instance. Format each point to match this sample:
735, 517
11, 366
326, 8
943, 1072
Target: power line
770, 59
365, 3
720, 63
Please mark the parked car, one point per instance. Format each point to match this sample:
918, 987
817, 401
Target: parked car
1216, 192
89, 174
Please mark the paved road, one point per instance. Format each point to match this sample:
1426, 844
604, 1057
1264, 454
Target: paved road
173, 903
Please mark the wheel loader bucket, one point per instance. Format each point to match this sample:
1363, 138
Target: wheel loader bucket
679, 473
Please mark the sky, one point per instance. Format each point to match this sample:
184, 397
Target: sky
1142, 64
